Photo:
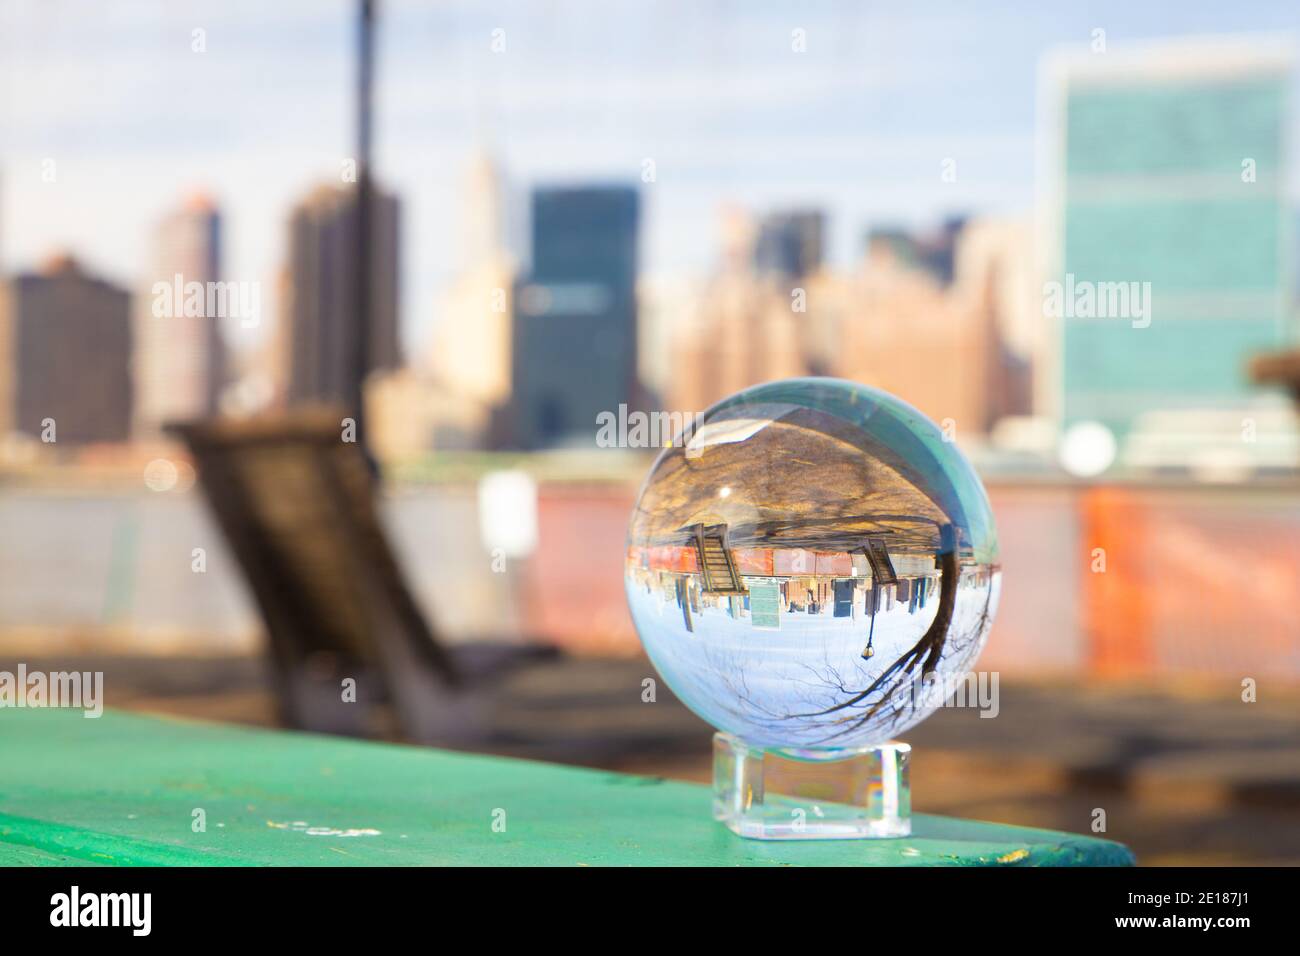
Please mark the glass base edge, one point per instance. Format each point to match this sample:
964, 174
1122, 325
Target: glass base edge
763, 793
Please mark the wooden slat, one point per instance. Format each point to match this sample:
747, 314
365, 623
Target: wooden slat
121, 790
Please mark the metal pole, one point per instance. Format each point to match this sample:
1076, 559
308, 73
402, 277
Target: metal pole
364, 198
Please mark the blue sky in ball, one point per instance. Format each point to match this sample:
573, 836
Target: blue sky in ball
858, 124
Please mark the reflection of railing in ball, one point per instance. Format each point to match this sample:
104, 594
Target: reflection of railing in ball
717, 564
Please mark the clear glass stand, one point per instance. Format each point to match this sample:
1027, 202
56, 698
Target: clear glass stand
787, 794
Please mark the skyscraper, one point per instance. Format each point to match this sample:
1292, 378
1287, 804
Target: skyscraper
937, 346
743, 333
575, 325
179, 357
1168, 228
453, 398
472, 343
65, 356
316, 334
790, 244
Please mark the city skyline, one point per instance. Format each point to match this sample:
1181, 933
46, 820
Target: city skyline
948, 317
857, 125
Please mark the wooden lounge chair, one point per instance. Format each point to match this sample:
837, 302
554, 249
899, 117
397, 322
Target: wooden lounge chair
297, 505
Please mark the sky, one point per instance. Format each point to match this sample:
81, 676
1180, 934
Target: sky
858, 124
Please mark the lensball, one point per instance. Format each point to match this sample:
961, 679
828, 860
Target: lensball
812, 565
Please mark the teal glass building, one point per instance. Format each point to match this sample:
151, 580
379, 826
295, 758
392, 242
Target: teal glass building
1170, 192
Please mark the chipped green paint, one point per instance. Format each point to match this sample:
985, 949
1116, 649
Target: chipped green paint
121, 791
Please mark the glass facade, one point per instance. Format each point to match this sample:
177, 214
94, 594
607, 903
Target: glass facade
1174, 190
575, 352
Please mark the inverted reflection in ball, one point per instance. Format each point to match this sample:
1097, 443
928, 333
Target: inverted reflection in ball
814, 565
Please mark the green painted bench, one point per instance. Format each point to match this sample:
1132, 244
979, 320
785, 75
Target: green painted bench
123, 790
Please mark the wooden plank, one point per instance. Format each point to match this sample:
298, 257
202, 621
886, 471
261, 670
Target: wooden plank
122, 790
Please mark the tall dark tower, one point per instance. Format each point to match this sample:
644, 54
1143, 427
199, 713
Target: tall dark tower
326, 353
575, 328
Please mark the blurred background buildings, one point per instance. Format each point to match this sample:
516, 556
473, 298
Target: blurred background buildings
1143, 148
315, 334
68, 349
1161, 164
179, 364
574, 343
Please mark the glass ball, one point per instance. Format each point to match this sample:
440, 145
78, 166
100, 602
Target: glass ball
812, 564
